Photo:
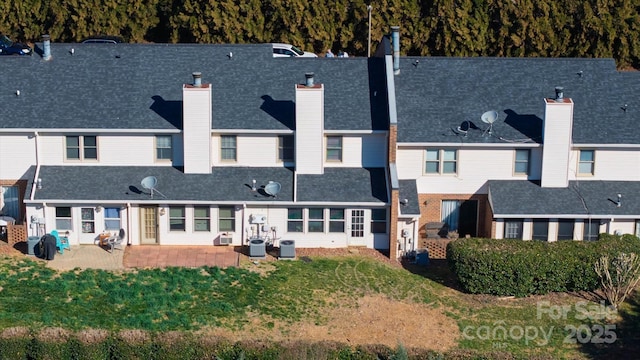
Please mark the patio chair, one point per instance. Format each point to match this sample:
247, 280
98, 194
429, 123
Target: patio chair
116, 240
61, 242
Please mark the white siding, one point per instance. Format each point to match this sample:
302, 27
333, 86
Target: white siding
17, 154
252, 150
126, 150
361, 151
558, 124
309, 142
611, 164
197, 129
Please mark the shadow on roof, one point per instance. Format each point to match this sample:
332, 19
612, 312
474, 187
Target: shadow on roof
378, 94
170, 110
529, 125
281, 110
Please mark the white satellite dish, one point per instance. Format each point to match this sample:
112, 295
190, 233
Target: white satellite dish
272, 188
489, 117
150, 183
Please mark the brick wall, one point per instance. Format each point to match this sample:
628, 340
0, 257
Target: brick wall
430, 210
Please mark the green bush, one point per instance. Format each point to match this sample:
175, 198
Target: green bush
521, 268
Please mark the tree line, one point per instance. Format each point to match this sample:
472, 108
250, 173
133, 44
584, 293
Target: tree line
515, 28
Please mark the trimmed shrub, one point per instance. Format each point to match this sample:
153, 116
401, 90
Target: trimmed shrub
521, 268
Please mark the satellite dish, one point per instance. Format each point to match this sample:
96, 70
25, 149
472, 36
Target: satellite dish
489, 117
272, 188
150, 183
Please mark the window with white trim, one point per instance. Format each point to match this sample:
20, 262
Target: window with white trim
513, 229
177, 218
378, 221
81, 147
228, 147
112, 219
521, 165
63, 218
334, 148
285, 148
88, 220
164, 150
226, 218
336, 220
587, 162
201, 218
441, 161
316, 220
295, 221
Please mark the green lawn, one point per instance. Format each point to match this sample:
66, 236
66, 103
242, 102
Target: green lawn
35, 296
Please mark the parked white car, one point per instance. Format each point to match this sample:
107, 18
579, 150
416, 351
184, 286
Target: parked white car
288, 50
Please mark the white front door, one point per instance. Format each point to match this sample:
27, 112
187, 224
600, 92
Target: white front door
148, 225
356, 228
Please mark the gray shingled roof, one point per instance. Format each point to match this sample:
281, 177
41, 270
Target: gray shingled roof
122, 183
344, 185
595, 198
435, 95
409, 191
139, 86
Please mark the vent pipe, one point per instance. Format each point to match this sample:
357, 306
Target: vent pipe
308, 79
197, 79
395, 40
46, 44
559, 94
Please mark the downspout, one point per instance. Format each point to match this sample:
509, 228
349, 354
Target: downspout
37, 174
128, 224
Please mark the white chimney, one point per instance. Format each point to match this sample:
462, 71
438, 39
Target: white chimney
309, 142
556, 140
196, 111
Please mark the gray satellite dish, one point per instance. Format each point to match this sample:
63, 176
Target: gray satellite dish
150, 183
489, 117
272, 188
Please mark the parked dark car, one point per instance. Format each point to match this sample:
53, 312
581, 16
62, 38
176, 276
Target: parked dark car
8, 47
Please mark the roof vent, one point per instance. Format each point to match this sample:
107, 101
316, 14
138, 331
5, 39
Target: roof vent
559, 94
309, 79
46, 44
197, 79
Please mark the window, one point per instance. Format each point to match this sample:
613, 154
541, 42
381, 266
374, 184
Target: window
441, 161
81, 147
112, 219
591, 230
285, 148
513, 229
226, 218
540, 229
228, 147
201, 218
379, 221
163, 147
63, 218
334, 148
565, 229
9, 197
316, 220
637, 228
88, 221
521, 166
336, 220
294, 220
177, 220
587, 161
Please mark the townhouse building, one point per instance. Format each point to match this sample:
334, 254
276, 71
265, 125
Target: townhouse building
190, 144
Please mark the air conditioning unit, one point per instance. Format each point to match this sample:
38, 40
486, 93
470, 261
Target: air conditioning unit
226, 240
257, 219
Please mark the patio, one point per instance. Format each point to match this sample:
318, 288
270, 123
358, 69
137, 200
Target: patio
96, 257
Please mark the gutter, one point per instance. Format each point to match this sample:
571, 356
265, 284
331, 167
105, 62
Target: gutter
37, 174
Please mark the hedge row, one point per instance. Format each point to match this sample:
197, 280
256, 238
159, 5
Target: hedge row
145, 346
521, 268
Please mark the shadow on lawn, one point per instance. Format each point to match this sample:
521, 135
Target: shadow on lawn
437, 270
627, 334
